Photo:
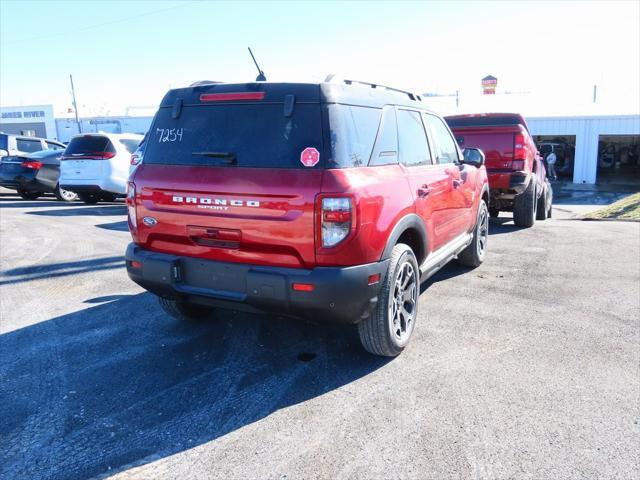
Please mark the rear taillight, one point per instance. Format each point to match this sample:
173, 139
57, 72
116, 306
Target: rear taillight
32, 165
520, 147
131, 206
136, 158
90, 156
336, 219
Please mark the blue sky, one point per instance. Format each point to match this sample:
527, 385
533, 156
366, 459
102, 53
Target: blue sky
127, 53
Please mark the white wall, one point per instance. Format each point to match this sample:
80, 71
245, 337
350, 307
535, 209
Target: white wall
587, 131
67, 127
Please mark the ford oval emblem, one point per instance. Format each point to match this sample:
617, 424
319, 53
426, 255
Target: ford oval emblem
149, 221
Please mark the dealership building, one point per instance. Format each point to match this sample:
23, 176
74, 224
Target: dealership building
601, 149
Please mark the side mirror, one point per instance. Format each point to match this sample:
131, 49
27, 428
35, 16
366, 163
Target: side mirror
473, 157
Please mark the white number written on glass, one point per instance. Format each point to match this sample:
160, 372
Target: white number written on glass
169, 134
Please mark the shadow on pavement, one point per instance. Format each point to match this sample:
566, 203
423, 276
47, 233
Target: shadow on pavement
44, 202
500, 225
35, 272
450, 270
120, 384
107, 298
108, 209
121, 226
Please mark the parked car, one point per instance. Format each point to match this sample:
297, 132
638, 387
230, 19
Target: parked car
96, 165
21, 145
517, 175
137, 155
330, 201
34, 174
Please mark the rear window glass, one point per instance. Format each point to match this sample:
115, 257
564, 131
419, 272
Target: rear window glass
87, 145
255, 135
353, 133
28, 146
130, 144
483, 121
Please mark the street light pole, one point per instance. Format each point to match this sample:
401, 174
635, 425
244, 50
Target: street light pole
75, 105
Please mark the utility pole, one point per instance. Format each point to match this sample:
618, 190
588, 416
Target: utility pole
75, 105
595, 93
457, 98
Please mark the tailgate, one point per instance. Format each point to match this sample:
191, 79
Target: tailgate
256, 216
498, 147
73, 170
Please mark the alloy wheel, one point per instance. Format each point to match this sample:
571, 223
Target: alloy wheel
403, 301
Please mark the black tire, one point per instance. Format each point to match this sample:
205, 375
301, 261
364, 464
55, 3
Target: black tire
541, 208
524, 206
28, 194
474, 254
494, 212
550, 211
89, 198
65, 195
184, 311
382, 332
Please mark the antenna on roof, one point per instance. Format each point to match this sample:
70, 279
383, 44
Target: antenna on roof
260, 77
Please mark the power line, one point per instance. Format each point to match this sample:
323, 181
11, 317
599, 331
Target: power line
98, 25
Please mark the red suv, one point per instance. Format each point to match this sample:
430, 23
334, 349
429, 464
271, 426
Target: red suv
331, 201
517, 175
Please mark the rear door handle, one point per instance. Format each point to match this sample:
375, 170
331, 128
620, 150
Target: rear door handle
424, 190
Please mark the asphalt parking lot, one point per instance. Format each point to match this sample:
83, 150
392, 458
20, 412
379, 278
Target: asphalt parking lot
527, 367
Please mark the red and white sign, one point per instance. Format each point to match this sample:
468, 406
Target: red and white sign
310, 157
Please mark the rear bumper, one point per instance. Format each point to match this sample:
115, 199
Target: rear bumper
507, 181
94, 186
28, 181
340, 294
92, 189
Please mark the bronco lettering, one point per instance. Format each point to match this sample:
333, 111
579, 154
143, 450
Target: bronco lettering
215, 201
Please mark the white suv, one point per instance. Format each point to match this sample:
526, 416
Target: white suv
96, 165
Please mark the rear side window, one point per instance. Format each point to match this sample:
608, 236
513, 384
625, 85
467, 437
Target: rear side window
54, 146
129, 144
3, 142
352, 133
385, 151
241, 135
412, 139
445, 147
28, 146
89, 145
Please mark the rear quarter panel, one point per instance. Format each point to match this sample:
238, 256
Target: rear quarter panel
381, 197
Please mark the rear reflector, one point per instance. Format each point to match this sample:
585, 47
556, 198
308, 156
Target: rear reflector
135, 264
373, 279
224, 97
303, 287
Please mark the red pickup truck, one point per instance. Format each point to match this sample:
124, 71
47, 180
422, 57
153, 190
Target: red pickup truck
517, 175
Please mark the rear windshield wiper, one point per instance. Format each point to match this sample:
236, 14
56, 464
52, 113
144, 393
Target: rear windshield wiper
227, 157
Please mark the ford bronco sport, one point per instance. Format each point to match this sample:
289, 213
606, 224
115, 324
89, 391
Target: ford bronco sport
331, 201
517, 175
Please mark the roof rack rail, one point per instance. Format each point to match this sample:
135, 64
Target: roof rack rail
333, 78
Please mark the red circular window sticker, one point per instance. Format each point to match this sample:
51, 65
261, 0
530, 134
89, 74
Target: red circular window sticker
310, 157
